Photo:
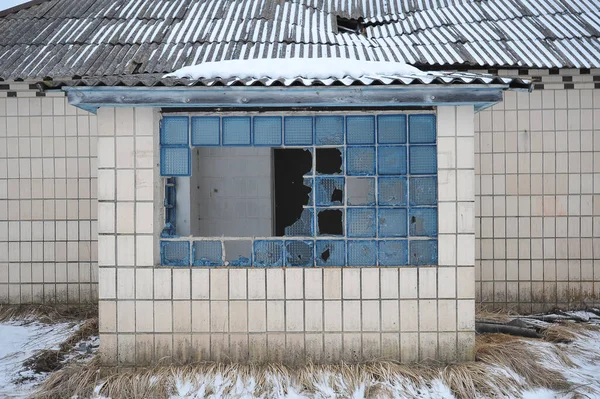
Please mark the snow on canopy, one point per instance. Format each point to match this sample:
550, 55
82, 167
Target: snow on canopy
291, 68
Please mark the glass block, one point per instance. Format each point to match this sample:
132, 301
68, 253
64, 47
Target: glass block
391, 160
361, 222
391, 129
175, 161
360, 190
421, 129
268, 253
392, 191
362, 253
329, 130
423, 160
208, 253
423, 252
360, 129
175, 253
298, 130
236, 130
392, 222
330, 191
206, 130
393, 253
423, 222
331, 253
267, 130
299, 253
238, 252
303, 226
423, 191
174, 130
360, 161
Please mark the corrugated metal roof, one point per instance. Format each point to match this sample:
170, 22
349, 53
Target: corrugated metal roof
440, 78
66, 38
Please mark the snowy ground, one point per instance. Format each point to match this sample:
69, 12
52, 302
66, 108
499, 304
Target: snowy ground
19, 341
578, 361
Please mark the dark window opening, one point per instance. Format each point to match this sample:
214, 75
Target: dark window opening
291, 195
329, 161
349, 25
337, 196
330, 222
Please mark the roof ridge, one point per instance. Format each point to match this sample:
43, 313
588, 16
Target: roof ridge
20, 7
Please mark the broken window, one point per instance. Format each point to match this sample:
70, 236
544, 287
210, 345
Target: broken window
300, 190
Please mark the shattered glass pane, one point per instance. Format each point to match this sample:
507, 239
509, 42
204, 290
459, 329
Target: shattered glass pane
238, 253
331, 253
299, 253
175, 253
303, 227
330, 191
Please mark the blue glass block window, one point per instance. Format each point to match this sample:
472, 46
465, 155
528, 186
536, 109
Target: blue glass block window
362, 253
298, 130
422, 129
361, 222
329, 130
423, 160
206, 130
392, 222
208, 253
423, 222
360, 129
267, 130
423, 191
175, 161
331, 253
393, 253
391, 160
175, 130
391, 129
236, 130
360, 161
360, 190
392, 191
423, 252
299, 253
268, 253
330, 191
175, 253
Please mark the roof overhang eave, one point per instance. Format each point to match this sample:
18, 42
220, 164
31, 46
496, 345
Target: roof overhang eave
90, 98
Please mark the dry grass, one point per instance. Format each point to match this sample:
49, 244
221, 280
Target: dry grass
48, 314
486, 377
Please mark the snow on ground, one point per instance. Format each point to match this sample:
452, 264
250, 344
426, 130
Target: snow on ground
291, 68
18, 342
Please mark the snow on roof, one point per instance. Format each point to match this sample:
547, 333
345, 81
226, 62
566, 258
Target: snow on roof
95, 38
292, 68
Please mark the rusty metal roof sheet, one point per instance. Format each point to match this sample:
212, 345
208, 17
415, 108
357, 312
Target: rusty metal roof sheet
76, 38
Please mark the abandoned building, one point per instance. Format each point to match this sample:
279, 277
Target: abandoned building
302, 193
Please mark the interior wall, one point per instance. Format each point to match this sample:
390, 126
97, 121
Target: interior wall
231, 192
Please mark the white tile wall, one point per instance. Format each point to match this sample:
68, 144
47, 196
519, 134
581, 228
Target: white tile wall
537, 213
292, 315
48, 248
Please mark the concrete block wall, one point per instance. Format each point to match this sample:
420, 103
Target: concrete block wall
48, 251
151, 313
537, 200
